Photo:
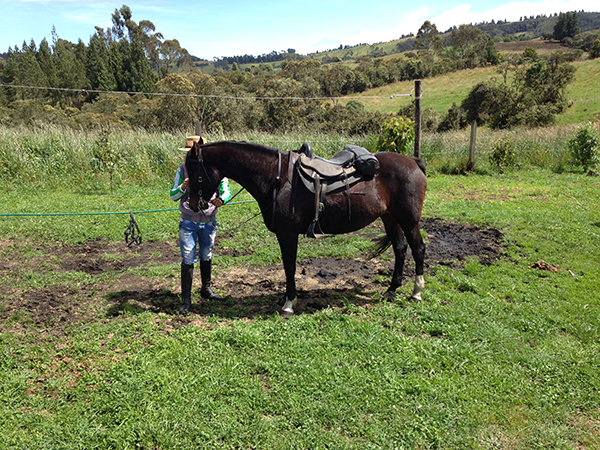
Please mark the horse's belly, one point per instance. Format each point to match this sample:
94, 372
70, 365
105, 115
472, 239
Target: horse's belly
337, 220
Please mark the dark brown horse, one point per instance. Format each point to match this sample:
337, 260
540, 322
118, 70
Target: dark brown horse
395, 193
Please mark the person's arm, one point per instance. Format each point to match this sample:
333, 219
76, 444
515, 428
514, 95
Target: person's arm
224, 191
179, 185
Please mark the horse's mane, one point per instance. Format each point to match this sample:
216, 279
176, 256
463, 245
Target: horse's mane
243, 144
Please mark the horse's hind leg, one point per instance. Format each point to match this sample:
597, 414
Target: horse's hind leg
417, 247
394, 233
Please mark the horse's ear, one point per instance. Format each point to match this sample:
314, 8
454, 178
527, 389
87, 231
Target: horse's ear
195, 148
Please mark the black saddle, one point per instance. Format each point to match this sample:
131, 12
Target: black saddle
321, 176
348, 166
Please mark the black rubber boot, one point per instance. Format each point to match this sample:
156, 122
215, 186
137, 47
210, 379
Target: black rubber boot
206, 291
187, 275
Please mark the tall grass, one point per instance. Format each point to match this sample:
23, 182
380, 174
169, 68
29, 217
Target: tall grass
544, 148
56, 157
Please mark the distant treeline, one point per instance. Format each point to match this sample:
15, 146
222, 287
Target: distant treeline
526, 28
65, 78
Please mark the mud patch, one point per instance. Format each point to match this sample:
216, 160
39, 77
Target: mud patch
249, 291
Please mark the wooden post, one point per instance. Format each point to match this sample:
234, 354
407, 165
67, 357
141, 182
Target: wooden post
417, 118
472, 144
198, 128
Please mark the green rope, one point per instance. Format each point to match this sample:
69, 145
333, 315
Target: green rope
105, 213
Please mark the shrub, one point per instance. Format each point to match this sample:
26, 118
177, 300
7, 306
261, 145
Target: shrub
503, 154
397, 135
585, 147
595, 50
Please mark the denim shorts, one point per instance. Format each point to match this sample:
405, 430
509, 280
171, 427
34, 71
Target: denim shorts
196, 240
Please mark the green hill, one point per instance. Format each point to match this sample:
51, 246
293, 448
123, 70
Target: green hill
526, 29
440, 92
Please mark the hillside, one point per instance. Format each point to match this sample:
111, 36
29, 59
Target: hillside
526, 29
440, 92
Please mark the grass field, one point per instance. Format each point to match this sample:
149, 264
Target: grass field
440, 92
500, 356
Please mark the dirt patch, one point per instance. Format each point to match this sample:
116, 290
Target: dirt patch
541, 47
112, 289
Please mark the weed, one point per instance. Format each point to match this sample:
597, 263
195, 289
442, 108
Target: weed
585, 147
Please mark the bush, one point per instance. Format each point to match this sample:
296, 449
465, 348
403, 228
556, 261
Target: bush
503, 154
595, 50
585, 147
397, 135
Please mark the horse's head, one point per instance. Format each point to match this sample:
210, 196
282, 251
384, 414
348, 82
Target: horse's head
202, 186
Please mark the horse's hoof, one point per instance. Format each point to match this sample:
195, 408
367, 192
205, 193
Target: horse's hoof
415, 298
286, 315
389, 294
288, 307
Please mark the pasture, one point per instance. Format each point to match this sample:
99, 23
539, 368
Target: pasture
501, 353
441, 91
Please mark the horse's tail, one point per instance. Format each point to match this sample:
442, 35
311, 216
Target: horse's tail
381, 245
420, 163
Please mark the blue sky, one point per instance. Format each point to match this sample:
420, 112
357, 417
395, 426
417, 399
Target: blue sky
217, 28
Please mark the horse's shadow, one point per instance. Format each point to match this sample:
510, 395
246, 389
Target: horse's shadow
129, 302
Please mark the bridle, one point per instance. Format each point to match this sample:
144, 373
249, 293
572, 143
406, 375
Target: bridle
202, 204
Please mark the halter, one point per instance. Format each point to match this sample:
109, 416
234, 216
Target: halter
202, 204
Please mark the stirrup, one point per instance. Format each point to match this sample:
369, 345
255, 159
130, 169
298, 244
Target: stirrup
314, 226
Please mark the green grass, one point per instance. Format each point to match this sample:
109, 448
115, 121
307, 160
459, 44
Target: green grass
500, 356
496, 356
585, 94
440, 92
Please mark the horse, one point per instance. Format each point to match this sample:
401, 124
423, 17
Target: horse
395, 194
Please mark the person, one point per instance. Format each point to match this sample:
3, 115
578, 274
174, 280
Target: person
197, 231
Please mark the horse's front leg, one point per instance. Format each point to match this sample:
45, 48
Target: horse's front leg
288, 242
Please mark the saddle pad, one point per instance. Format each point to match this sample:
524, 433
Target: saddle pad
333, 184
324, 168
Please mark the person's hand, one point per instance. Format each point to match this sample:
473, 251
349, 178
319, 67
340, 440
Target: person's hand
218, 202
185, 184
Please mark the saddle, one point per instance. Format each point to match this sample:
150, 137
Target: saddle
321, 176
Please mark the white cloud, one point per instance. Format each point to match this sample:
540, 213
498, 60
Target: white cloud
460, 14
512, 11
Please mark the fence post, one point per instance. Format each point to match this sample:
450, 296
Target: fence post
198, 128
417, 118
472, 145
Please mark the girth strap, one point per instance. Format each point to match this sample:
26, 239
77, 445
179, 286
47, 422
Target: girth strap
314, 229
276, 188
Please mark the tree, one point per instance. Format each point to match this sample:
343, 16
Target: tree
566, 26
175, 112
471, 47
69, 60
428, 37
585, 147
98, 63
397, 135
595, 50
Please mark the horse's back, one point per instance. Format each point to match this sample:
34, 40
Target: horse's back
402, 167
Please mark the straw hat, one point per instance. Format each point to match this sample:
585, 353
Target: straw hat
189, 141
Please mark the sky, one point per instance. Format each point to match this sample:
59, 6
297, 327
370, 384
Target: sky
217, 28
